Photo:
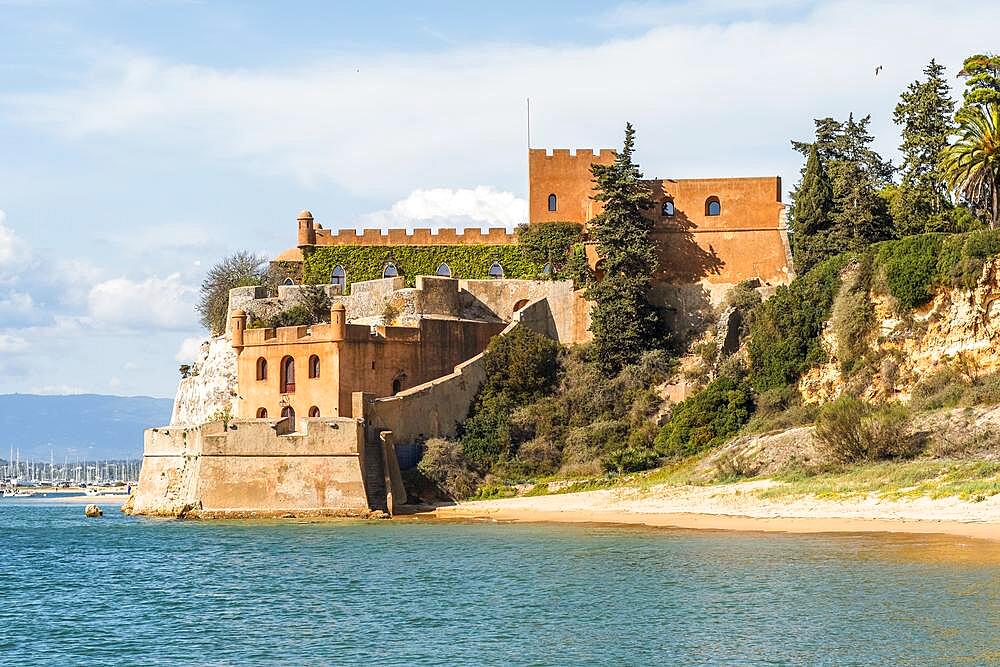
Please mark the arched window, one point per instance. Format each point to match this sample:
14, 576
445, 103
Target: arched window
338, 276
712, 206
520, 304
261, 413
667, 210
397, 385
287, 375
443, 270
261, 368
314, 412
547, 269
288, 411
390, 270
496, 271
287, 281
552, 202
314, 366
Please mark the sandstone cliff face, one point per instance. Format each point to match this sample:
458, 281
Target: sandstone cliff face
959, 327
211, 386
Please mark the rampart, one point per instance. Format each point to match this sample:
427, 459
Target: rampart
261, 468
415, 236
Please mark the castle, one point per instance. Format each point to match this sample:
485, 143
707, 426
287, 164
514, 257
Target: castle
314, 419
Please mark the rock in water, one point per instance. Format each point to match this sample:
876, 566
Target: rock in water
93, 511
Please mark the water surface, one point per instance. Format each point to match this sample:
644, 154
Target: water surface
125, 591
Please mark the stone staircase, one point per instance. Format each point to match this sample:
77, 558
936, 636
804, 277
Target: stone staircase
374, 476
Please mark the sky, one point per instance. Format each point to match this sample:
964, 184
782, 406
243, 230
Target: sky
143, 140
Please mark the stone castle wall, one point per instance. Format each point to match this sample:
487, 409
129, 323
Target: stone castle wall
260, 468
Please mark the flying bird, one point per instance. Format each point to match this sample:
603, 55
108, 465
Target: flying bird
878, 69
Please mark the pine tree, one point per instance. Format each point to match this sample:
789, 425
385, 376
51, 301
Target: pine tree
623, 322
982, 83
924, 113
810, 214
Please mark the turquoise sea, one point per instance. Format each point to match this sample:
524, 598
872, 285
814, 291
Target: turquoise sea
127, 591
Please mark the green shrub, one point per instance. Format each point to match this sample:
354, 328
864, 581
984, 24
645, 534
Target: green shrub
851, 430
466, 261
984, 390
629, 459
520, 367
784, 336
908, 268
942, 388
706, 419
444, 464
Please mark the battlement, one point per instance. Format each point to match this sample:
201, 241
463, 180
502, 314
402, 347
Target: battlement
602, 155
415, 236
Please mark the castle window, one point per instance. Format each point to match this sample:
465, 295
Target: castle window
261, 413
496, 271
390, 271
552, 202
314, 366
261, 368
287, 375
288, 412
443, 270
338, 276
287, 281
712, 206
314, 412
397, 385
668, 209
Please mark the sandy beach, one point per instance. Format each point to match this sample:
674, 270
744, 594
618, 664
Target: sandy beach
736, 507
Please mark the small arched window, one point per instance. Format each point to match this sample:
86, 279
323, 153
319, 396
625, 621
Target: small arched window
397, 385
338, 276
390, 270
261, 368
314, 366
288, 411
287, 281
667, 210
261, 413
287, 375
443, 270
712, 206
547, 269
496, 271
520, 304
314, 412
552, 202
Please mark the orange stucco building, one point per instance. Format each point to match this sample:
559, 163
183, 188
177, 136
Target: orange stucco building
312, 371
718, 230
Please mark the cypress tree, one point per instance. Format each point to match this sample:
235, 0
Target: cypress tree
623, 322
810, 213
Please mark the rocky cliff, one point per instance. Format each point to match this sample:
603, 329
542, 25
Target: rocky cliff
958, 331
210, 386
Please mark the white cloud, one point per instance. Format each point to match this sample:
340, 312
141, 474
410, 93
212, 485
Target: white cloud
708, 97
445, 207
10, 344
189, 350
163, 303
14, 252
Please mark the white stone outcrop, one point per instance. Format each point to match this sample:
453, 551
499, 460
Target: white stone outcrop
210, 388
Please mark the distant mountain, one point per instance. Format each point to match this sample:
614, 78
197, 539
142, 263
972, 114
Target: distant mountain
87, 426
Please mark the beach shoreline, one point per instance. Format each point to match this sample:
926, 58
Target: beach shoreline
734, 507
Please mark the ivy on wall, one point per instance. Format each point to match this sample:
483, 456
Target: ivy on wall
466, 261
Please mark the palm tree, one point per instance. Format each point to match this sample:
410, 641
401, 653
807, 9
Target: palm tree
972, 164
